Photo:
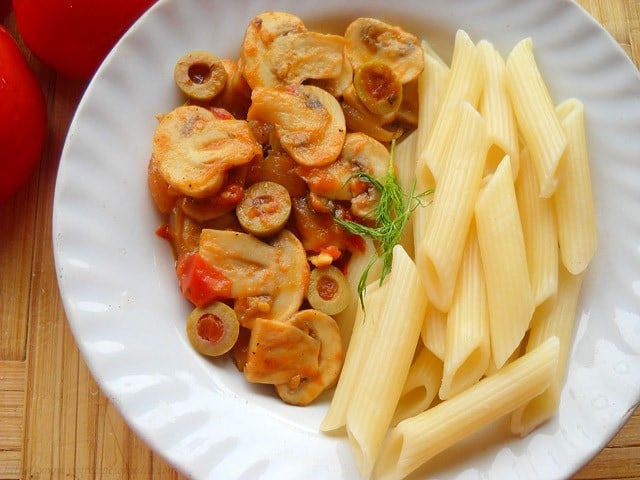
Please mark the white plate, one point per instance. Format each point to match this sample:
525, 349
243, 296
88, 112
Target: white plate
119, 289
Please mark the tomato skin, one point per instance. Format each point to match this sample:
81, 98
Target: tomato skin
200, 282
23, 117
5, 8
74, 36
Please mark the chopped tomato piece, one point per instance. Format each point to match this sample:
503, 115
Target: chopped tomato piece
200, 282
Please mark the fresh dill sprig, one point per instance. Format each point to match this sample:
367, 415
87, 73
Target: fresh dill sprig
391, 214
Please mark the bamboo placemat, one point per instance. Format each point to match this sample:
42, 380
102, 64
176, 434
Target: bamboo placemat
54, 421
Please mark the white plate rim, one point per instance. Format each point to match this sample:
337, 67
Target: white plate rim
77, 273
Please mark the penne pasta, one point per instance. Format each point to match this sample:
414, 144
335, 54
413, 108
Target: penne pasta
405, 161
357, 264
573, 200
431, 86
395, 330
439, 253
539, 230
421, 386
554, 318
432, 83
495, 107
416, 440
535, 114
467, 349
355, 358
464, 84
504, 259
434, 331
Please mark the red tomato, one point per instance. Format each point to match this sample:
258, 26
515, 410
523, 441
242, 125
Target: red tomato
23, 117
201, 282
74, 36
5, 7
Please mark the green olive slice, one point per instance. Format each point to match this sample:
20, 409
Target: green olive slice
329, 290
378, 88
200, 75
264, 208
213, 330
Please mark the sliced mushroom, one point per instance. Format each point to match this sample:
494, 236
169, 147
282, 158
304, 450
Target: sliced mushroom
309, 121
303, 389
277, 273
337, 85
339, 181
279, 351
297, 57
260, 34
194, 149
371, 39
164, 196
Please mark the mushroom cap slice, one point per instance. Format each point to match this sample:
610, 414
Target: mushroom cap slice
304, 389
260, 34
297, 57
338, 181
309, 121
276, 272
370, 39
338, 84
194, 149
278, 351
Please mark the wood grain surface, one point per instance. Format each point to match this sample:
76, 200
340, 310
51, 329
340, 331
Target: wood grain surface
54, 421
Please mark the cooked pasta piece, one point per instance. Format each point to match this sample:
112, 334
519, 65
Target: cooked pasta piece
504, 260
416, 440
395, 333
405, 162
539, 230
421, 386
554, 318
573, 200
432, 83
434, 331
467, 349
495, 107
536, 116
439, 253
358, 262
355, 358
464, 84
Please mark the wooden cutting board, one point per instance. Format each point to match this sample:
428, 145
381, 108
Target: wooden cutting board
54, 421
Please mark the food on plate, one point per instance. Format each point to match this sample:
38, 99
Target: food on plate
213, 330
328, 290
378, 87
194, 149
200, 75
361, 214
264, 209
307, 120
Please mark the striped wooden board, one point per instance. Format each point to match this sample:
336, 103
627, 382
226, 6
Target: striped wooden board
54, 421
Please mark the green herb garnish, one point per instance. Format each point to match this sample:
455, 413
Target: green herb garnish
391, 215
